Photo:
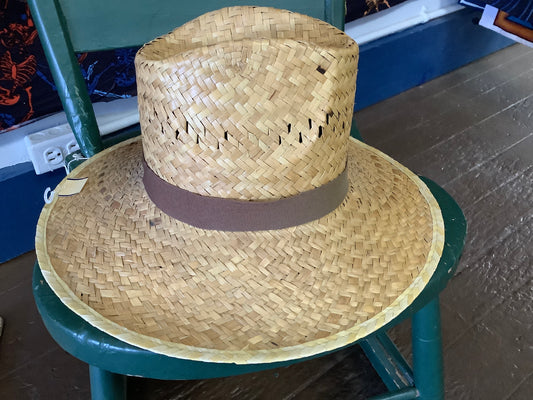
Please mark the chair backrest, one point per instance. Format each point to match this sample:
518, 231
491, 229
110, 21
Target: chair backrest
69, 26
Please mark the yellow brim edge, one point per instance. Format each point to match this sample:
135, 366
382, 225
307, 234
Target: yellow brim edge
332, 342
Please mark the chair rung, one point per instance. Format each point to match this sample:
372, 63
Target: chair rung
388, 362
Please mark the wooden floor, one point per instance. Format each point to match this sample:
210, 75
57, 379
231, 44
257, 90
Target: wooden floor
472, 132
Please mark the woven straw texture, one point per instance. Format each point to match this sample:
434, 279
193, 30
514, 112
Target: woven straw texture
245, 297
279, 84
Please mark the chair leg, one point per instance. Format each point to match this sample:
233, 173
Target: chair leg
427, 352
106, 385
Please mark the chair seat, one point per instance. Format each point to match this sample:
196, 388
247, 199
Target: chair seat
101, 350
66, 27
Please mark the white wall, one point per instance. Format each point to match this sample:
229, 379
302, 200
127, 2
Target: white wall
111, 116
399, 17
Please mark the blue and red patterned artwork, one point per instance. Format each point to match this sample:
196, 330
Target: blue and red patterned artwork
27, 90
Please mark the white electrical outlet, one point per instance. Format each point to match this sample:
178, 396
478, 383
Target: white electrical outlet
47, 149
72, 146
53, 156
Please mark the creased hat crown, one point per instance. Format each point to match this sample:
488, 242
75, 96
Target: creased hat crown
247, 103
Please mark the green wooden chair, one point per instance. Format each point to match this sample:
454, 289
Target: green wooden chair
66, 27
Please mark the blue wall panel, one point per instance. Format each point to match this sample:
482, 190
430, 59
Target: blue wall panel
21, 201
398, 62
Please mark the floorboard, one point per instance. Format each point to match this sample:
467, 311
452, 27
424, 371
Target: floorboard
494, 346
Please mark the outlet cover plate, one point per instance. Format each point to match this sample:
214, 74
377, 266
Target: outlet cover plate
48, 148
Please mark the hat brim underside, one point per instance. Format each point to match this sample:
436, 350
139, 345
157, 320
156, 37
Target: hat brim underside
242, 297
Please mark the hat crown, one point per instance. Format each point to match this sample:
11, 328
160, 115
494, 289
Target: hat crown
247, 103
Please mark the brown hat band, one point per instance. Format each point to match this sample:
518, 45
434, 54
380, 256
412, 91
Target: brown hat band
241, 215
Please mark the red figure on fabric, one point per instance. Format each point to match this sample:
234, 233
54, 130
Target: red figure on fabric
17, 67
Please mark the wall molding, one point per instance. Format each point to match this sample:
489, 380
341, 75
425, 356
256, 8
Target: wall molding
395, 63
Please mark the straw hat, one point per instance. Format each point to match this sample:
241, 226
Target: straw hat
261, 232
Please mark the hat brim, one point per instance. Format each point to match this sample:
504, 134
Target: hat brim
243, 297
